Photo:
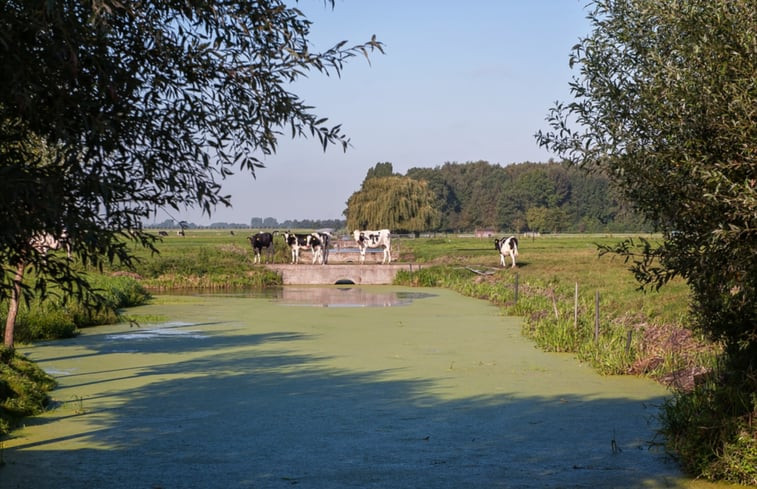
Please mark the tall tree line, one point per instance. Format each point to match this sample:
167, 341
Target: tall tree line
540, 197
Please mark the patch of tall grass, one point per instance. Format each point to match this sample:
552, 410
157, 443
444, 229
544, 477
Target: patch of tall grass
58, 315
708, 431
206, 260
23, 389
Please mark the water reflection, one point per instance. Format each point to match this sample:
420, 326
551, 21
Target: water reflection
324, 296
346, 297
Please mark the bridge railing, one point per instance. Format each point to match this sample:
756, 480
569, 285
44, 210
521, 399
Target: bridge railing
352, 255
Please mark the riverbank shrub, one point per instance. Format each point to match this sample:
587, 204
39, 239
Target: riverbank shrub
23, 389
707, 430
59, 316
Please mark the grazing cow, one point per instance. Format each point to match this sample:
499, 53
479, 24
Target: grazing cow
374, 239
319, 243
44, 242
507, 246
260, 241
162, 233
297, 242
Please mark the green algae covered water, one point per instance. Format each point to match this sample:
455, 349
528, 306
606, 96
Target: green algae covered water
332, 387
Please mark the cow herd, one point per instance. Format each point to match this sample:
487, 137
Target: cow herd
319, 243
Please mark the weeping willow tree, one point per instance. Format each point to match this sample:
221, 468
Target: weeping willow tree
398, 203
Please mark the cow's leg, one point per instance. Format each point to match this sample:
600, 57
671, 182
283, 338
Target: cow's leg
512, 255
387, 256
502, 259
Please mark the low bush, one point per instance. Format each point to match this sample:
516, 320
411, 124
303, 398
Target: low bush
712, 427
59, 316
23, 389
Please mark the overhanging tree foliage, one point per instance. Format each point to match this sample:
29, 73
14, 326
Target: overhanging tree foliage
142, 106
666, 105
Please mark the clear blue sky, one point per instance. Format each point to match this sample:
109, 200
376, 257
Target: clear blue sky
459, 81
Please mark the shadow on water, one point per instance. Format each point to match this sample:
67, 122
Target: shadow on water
261, 427
204, 409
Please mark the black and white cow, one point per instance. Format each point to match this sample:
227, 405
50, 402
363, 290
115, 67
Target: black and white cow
297, 242
507, 246
374, 239
44, 242
319, 243
260, 241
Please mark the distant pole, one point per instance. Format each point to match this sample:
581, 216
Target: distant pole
596, 317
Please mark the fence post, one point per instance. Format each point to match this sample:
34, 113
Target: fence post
516, 288
596, 317
575, 308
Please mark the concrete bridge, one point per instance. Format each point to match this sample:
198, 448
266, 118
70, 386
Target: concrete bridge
367, 274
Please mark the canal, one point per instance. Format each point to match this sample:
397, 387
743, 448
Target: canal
332, 387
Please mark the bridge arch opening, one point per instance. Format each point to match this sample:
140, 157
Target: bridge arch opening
344, 281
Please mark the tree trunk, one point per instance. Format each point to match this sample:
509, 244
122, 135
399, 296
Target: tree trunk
10, 322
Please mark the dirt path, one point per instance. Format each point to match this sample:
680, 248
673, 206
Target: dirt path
236, 392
